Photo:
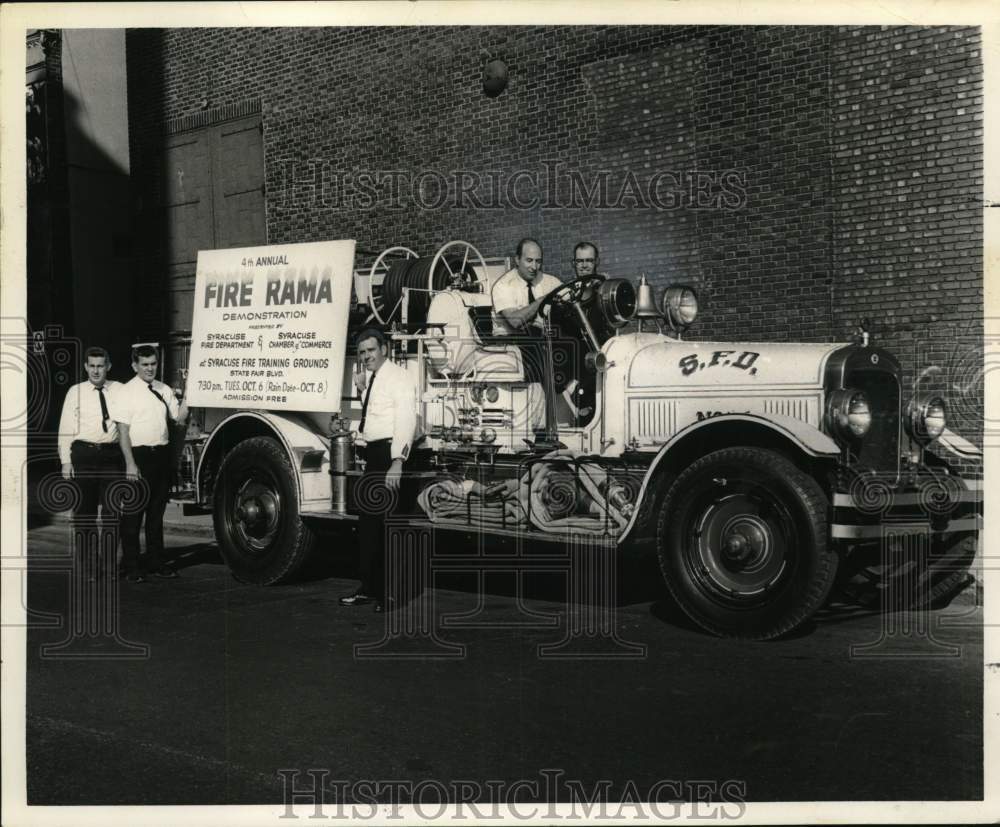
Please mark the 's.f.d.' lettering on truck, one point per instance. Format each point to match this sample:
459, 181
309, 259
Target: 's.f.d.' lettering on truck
268, 326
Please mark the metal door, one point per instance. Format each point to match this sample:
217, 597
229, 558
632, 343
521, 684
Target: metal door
213, 191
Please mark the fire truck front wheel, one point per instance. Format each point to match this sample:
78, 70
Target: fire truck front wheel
256, 514
742, 542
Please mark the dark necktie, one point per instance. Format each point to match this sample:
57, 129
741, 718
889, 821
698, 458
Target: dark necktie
364, 404
531, 294
152, 390
105, 416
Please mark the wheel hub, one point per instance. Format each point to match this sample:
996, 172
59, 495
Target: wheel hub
744, 540
256, 509
741, 548
248, 511
260, 508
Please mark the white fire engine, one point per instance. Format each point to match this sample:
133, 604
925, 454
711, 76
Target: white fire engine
756, 468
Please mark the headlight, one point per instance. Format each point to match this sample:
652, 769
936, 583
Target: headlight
680, 306
849, 414
617, 297
927, 418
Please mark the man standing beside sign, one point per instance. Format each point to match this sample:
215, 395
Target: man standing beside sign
387, 427
144, 409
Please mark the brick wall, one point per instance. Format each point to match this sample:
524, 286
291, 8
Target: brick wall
908, 198
853, 157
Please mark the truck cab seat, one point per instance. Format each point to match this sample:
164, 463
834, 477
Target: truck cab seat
467, 345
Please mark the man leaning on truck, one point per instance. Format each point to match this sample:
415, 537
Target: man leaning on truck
388, 424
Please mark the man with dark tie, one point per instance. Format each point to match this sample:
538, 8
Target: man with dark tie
89, 454
144, 410
517, 296
387, 427
518, 293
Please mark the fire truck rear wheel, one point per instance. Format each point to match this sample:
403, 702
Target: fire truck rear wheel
256, 513
743, 543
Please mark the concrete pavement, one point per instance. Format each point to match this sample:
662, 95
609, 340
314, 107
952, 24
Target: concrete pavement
240, 682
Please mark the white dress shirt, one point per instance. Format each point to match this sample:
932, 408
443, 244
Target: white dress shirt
510, 291
81, 417
144, 414
392, 409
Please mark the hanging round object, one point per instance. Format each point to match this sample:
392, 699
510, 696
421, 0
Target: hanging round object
494, 78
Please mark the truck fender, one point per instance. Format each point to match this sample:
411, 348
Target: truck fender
958, 445
306, 449
807, 438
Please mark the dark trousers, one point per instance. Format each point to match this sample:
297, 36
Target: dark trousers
375, 503
95, 468
531, 343
567, 360
151, 496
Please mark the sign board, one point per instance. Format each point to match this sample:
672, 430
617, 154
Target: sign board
270, 327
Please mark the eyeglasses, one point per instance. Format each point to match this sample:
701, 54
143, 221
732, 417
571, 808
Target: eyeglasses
584, 260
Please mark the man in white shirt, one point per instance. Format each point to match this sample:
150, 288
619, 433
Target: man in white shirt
145, 410
89, 453
388, 425
518, 293
517, 296
586, 260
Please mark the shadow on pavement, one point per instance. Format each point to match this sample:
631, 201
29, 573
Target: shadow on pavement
196, 554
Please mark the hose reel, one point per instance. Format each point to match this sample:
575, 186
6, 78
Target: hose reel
451, 267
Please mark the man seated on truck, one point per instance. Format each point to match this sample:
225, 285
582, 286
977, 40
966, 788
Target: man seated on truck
518, 293
517, 296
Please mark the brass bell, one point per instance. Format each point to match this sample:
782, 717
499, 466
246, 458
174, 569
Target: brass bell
645, 307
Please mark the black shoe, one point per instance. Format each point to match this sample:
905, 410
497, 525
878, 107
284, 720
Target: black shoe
165, 572
387, 605
135, 577
356, 599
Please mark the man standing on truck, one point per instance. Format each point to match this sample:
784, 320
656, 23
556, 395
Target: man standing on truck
144, 410
89, 453
586, 260
387, 427
580, 396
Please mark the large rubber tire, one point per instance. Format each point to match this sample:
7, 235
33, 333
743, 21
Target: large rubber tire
256, 513
743, 543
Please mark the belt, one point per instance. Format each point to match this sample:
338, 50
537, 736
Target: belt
97, 445
149, 447
378, 441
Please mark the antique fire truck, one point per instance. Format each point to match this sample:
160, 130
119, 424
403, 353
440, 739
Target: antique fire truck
756, 469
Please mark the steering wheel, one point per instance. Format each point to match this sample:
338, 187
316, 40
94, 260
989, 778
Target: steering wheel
572, 295
581, 289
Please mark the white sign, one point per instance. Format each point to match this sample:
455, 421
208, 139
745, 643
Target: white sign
270, 327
